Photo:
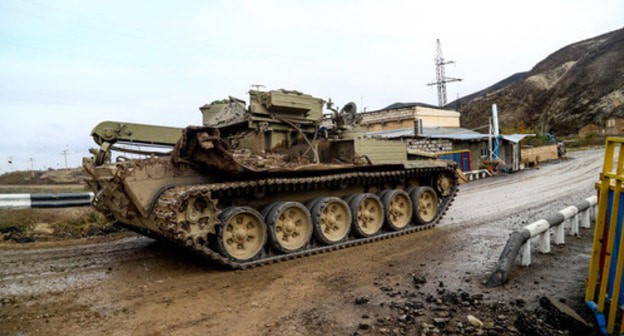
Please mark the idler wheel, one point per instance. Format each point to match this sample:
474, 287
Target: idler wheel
398, 208
290, 226
368, 214
242, 233
444, 184
331, 218
425, 201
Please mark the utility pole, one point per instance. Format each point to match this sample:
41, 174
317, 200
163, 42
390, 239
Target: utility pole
32, 167
494, 138
65, 152
441, 78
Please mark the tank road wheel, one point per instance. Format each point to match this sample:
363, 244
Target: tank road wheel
331, 218
398, 208
425, 201
290, 226
368, 214
267, 209
242, 233
444, 184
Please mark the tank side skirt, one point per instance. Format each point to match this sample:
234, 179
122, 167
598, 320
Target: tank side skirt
170, 200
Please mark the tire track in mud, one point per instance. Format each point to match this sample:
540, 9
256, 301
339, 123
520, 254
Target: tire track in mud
58, 269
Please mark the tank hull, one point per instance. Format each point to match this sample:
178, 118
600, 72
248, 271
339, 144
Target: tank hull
160, 199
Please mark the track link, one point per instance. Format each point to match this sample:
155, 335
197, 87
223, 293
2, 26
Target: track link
168, 206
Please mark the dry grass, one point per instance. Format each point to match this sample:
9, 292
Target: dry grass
20, 225
48, 177
41, 188
27, 225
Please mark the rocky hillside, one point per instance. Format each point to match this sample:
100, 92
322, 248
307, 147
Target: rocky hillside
578, 85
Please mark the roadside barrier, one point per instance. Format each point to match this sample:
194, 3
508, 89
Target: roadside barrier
477, 174
605, 292
63, 200
519, 242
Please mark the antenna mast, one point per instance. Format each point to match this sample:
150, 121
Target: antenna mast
441, 78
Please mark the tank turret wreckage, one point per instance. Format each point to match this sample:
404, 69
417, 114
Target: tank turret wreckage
265, 182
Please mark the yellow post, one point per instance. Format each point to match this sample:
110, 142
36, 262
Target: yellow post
599, 227
611, 181
615, 295
615, 206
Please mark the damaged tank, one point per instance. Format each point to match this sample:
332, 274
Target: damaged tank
265, 182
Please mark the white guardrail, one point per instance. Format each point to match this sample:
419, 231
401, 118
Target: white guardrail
477, 174
519, 243
572, 214
25, 201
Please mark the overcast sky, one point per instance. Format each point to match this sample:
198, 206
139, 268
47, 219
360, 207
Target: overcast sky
66, 65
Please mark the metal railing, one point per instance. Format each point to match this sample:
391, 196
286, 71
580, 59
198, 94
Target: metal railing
63, 200
518, 245
477, 174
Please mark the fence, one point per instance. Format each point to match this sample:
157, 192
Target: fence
24, 201
519, 242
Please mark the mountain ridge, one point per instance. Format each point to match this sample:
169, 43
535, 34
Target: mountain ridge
577, 85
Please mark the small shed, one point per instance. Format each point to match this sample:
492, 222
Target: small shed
614, 127
452, 139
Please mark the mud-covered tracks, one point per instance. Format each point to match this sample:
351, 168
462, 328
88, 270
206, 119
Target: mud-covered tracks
286, 229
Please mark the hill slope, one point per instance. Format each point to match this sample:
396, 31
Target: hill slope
579, 84
43, 177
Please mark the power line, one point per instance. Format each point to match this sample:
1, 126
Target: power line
441, 78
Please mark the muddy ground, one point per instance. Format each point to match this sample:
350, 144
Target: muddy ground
423, 283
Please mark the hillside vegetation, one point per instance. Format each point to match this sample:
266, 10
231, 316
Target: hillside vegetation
43, 177
580, 84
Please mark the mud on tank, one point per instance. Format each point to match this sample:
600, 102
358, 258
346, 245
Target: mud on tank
265, 182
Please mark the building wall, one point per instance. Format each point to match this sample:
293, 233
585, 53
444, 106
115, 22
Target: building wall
430, 145
388, 119
541, 153
404, 118
475, 148
589, 129
615, 126
437, 117
390, 125
508, 152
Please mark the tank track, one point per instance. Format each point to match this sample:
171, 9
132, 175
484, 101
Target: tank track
166, 209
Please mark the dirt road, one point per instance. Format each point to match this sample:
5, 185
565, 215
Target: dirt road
132, 285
